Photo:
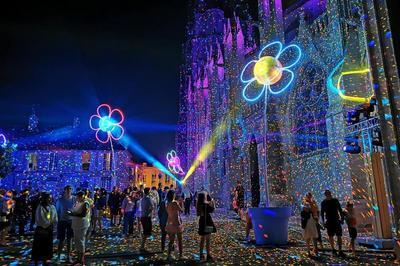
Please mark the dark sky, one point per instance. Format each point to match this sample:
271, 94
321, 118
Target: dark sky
69, 56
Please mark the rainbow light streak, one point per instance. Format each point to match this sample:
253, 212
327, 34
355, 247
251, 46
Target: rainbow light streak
132, 145
268, 71
208, 147
174, 163
337, 89
3, 140
107, 123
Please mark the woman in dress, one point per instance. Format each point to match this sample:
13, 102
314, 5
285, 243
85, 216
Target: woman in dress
205, 206
80, 223
310, 228
174, 225
309, 199
45, 218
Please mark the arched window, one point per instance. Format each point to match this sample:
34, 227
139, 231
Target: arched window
308, 111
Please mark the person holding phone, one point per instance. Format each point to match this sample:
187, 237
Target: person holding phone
205, 206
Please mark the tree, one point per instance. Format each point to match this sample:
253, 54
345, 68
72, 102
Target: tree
6, 160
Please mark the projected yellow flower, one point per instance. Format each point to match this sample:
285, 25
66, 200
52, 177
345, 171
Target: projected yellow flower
271, 72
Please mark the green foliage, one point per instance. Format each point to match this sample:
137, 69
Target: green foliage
6, 160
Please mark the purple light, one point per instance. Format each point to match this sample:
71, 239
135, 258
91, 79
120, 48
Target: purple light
174, 163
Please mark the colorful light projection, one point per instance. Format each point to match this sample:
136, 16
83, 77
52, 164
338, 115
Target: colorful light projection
132, 145
271, 72
209, 146
174, 163
107, 123
338, 89
3, 140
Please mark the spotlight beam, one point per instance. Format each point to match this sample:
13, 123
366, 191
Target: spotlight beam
209, 146
132, 145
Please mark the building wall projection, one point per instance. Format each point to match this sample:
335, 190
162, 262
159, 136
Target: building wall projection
309, 127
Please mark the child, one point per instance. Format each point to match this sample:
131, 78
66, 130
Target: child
249, 225
310, 228
351, 222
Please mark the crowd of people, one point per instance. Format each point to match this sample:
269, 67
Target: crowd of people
77, 216
332, 218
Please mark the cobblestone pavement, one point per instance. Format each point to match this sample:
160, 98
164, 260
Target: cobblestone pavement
228, 248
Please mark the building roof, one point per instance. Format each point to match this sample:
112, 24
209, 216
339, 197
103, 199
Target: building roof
56, 138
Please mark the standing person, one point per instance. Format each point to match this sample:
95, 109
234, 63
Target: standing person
174, 225
96, 220
310, 228
309, 198
351, 222
138, 213
13, 219
80, 214
333, 213
121, 197
205, 206
239, 196
128, 210
45, 218
113, 204
155, 199
163, 218
249, 224
102, 206
188, 201
33, 203
146, 210
22, 211
64, 225
6, 205
160, 192
89, 199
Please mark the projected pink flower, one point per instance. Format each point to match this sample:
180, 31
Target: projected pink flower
107, 123
174, 163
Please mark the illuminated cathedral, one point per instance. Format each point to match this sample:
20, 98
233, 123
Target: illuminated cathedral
334, 127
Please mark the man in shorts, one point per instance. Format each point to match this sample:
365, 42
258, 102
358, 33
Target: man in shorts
333, 217
64, 229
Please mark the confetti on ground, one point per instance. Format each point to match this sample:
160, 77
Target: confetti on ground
228, 248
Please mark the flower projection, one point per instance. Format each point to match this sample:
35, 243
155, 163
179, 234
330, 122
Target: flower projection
174, 163
271, 72
107, 123
3, 140
338, 87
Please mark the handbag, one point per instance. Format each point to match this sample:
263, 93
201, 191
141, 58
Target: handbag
207, 228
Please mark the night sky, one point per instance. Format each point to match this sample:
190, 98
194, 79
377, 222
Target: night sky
67, 57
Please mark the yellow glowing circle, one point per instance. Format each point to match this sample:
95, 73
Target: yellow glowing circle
267, 70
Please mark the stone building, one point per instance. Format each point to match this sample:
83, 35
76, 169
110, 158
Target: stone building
286, 145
